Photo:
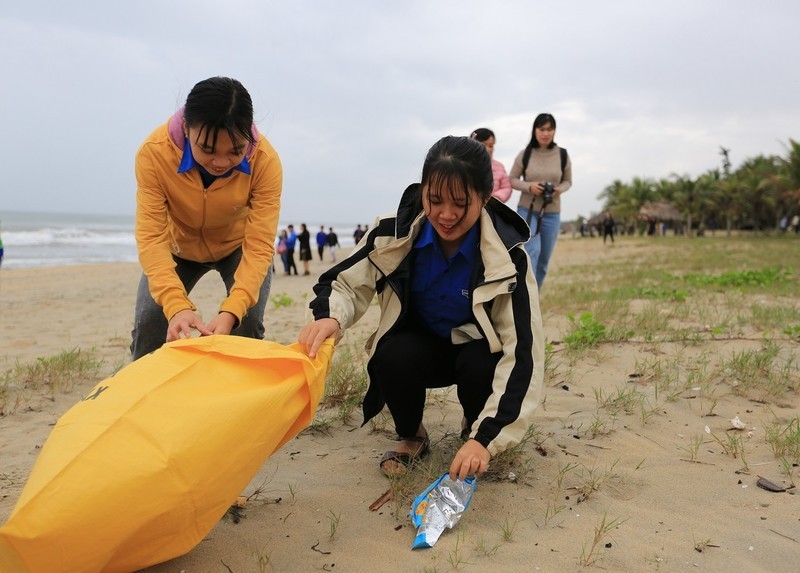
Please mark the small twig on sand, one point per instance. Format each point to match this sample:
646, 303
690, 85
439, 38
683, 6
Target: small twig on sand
786, 536
696, 462
314, 547
378, 503
651, 439
596, 446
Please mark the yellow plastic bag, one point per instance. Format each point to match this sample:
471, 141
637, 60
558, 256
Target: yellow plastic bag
144, 466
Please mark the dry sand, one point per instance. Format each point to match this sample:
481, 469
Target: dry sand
668, 505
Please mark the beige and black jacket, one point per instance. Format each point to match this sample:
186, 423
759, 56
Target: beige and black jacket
503, 294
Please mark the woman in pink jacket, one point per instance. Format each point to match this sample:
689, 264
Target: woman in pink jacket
502, 186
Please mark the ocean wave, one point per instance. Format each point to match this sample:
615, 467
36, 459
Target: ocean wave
42, 262
66, 236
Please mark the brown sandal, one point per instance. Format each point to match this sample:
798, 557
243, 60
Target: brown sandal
404, 458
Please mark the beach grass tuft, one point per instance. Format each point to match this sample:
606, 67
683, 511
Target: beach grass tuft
51, 374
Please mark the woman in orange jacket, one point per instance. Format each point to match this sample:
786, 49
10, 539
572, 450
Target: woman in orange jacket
208, 198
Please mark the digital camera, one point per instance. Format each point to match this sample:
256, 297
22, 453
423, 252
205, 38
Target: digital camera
547, 196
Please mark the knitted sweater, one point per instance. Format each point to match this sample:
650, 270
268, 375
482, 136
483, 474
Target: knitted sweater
543, 165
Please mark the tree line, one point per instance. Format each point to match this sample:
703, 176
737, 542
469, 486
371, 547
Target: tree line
758, 195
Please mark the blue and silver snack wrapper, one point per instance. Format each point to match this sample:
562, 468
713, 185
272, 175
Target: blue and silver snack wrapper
440, 507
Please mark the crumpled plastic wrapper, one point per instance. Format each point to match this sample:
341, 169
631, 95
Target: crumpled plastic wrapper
440, 507
737, 424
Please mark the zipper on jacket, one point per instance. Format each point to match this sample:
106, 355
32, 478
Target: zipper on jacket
203, 224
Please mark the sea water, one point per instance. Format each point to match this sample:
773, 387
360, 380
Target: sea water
55, 239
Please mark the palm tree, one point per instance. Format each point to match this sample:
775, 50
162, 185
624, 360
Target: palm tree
793, 166
626, 200
760, 190
683, 196
790, 179
616, 200
707, 191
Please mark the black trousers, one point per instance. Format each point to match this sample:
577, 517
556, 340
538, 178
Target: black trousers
414, 359
290, 261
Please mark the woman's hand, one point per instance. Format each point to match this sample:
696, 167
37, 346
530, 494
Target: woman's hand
181, 325
471, 459
536, 188
223, 323
315, 333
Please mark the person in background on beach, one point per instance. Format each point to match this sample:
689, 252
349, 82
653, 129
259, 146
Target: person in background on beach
608, 226
208, 198
304, 238
282, 250
539, 163
459, 306
358, 234
1, 250
322, 240
502, 186
333, 242
291, 242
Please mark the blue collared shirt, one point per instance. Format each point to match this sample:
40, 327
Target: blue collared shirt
188, 161
440, 286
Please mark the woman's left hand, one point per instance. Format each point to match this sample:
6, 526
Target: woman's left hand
223, 323
471, 459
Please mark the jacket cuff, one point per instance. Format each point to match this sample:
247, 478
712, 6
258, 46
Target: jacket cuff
174, 304
234, 306
481, 439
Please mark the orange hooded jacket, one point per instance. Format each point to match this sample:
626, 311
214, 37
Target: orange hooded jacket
176, 215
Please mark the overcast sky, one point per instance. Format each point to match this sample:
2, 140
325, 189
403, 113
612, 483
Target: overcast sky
353, 93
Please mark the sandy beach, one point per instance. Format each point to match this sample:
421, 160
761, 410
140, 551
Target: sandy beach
676, 507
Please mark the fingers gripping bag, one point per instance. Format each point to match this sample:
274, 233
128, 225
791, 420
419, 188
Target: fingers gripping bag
440, 507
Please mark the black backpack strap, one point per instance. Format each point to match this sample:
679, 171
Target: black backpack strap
527, 156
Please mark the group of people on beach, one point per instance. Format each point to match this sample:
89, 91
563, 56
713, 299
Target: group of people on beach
457, 271
289, 241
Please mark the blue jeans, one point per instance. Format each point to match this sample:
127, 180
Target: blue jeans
540, 246
150, 325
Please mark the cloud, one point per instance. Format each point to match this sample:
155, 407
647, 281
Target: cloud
353, 93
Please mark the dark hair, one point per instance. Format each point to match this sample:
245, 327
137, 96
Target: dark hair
482, 134
220, 103
541, 120
458, 164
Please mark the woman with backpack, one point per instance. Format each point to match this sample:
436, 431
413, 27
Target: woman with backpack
542, 172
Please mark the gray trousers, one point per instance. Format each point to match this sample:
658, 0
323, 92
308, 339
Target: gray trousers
150, 325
